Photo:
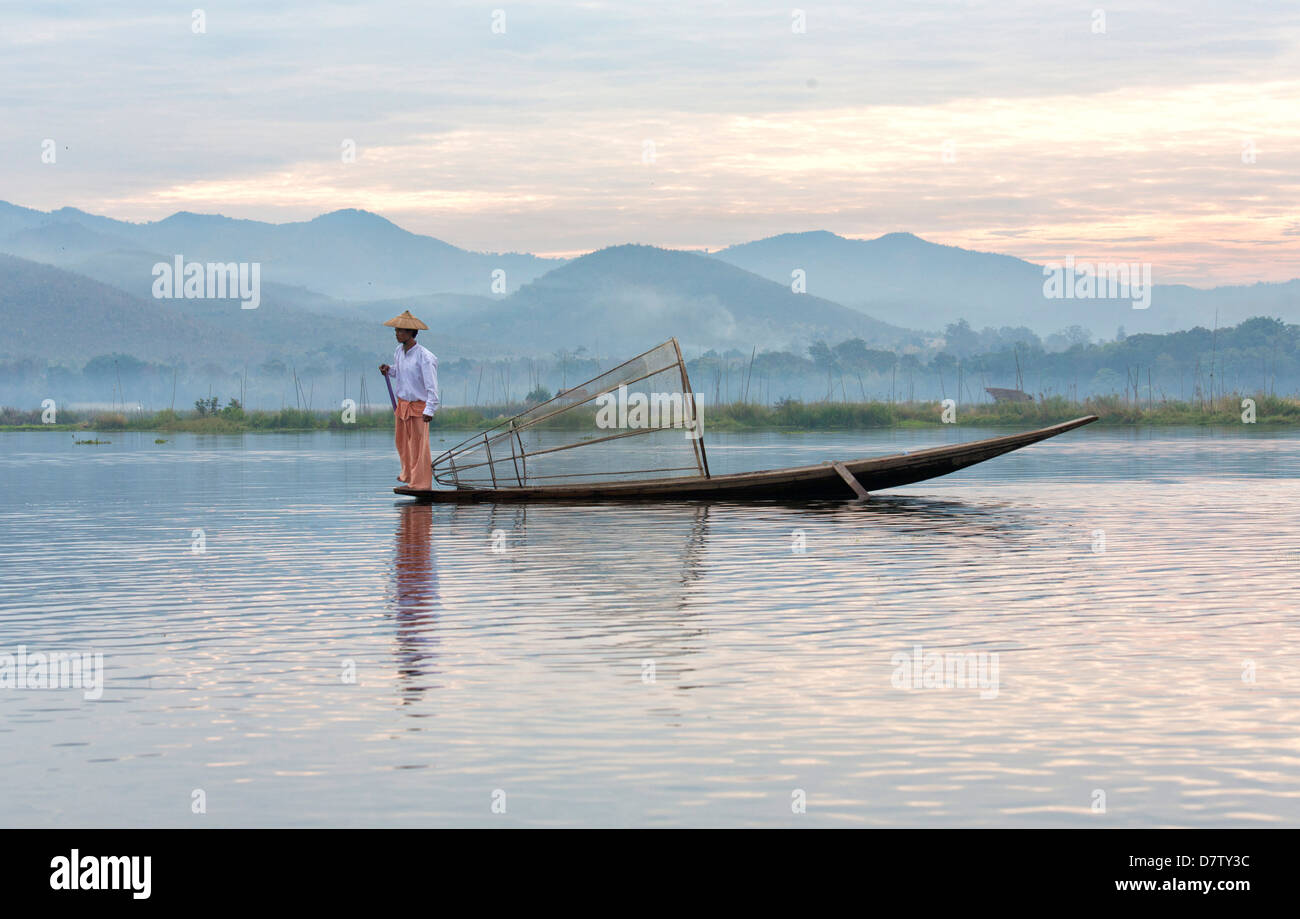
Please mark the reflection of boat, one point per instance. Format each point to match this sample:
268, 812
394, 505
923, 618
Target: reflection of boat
564, 450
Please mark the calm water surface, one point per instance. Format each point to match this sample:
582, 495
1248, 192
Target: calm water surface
659, 664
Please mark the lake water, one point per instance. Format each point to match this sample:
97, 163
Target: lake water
285, 642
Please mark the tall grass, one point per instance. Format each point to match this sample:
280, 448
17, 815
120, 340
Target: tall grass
736, 416
795, 415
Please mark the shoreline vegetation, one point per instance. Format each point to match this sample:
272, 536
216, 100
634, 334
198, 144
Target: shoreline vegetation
787, 415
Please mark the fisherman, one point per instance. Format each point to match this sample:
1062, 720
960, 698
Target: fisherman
414, 380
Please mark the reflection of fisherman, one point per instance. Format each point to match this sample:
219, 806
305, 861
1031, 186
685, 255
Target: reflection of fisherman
415, 589
414, 377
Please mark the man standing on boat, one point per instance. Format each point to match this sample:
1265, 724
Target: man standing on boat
414, 380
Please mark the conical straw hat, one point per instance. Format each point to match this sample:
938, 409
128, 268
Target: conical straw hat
405, 321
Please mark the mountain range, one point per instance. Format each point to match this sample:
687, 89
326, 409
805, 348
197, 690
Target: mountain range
327, 283
344, 255
902, 278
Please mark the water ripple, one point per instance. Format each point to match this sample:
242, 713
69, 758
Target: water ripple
280, 633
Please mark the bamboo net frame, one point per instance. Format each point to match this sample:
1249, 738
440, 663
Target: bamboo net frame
586, 431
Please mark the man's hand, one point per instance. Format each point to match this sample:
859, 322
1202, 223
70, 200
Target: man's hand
427, 418
384, 368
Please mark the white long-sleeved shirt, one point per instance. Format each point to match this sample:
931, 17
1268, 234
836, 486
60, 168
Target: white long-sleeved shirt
414, 375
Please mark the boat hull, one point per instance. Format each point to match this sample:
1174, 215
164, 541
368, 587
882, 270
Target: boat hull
817, 481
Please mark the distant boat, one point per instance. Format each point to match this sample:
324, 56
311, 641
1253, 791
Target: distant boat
563, 449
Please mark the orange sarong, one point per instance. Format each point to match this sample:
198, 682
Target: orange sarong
412, 438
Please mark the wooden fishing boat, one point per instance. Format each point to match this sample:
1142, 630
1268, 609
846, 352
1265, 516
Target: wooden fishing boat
568, 449
823, 480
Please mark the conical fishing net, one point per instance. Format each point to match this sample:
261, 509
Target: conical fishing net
637, 421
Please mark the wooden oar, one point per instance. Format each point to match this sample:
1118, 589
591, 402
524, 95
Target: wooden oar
391, 397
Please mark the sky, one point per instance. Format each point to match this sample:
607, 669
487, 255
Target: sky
1157, 132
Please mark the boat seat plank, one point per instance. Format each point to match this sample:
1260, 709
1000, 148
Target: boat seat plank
850, 479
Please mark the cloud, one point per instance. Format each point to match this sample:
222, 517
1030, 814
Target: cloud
533, 139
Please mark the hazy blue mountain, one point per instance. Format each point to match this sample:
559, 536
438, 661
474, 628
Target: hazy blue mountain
55, 315
1188, 307
132, 271
344, 255
14, 218
458, 326
60, 242
894, 268
51, 314
902, 278
327, 282
59, 316
623, 299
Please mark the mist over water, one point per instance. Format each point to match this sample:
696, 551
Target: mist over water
663, 664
